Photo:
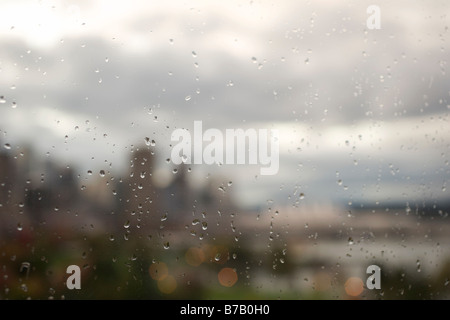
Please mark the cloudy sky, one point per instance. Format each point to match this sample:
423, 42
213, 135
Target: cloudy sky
363, 114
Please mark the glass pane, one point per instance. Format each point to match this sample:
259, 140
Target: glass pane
215, 150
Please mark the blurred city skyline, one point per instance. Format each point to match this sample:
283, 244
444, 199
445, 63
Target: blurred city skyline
356, 108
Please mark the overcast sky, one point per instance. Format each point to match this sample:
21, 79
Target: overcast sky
363, 114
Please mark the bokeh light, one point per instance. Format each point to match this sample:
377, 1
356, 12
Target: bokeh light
167, 285
194, 256
354, 286
228, 277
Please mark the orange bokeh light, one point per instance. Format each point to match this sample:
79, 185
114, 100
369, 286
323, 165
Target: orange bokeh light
227, 277
167, 285
194, 256
354, 286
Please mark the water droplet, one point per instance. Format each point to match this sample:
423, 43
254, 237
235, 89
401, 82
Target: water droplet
14, 105
7, 146
111, 238
187, 98
217, 256
102, 173
166, 245
204, 225
126, 224
164, 217
2, 99
350, 241
446, 282
307, 61
302, 196
24, 287
19, 227
194, 54
25, 266
147, 141
195, 222
89, 172
174, 170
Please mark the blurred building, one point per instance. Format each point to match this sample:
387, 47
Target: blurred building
139, 198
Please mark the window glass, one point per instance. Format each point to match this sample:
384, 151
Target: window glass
216, 150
